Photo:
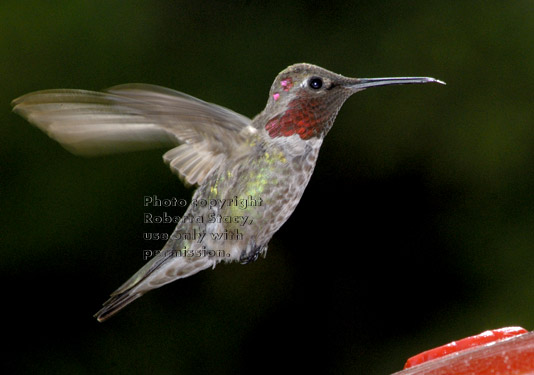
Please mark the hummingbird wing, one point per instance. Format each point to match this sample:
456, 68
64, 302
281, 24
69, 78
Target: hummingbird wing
136, 117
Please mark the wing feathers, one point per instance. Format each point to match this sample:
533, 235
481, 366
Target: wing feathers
135, 117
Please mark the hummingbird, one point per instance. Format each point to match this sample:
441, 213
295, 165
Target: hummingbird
250, 174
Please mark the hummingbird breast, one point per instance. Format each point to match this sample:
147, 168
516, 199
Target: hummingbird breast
249, 199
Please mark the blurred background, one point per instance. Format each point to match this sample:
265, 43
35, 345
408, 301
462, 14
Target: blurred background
416, 229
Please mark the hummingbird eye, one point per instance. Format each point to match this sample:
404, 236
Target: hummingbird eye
315, 83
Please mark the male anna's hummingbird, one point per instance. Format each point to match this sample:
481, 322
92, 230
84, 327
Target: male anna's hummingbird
250, 173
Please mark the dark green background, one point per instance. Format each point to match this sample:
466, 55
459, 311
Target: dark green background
417, 227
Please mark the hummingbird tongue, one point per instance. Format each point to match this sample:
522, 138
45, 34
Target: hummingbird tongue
362, 83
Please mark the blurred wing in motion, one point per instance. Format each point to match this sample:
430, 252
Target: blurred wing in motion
137, 117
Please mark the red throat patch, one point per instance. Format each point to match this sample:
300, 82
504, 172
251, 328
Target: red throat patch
303, 117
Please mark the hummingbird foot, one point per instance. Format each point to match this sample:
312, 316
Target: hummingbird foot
248, 257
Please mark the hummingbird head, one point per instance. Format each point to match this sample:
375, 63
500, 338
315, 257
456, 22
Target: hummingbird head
305, 99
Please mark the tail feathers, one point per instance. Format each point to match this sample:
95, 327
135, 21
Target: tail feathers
130, 291
115, 304
161, 270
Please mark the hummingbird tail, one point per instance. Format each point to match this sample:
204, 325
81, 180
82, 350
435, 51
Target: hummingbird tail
115, 304
161, 270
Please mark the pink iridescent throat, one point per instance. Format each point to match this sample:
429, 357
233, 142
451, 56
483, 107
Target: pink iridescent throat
300, 118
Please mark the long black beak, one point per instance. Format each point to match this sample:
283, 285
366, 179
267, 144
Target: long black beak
362, 83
